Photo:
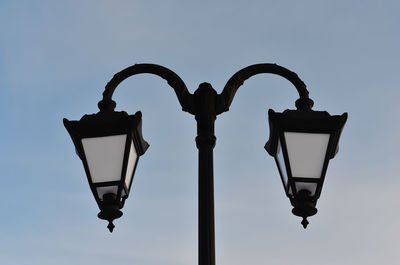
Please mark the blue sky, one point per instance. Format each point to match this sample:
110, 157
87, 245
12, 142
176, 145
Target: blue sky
57, 56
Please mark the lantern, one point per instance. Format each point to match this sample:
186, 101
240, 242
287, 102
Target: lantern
302, 143
109, 144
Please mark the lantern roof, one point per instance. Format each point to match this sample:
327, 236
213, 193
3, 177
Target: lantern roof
307, 121
107, 123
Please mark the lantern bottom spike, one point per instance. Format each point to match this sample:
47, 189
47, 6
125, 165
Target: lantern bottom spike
304, 222
110, 226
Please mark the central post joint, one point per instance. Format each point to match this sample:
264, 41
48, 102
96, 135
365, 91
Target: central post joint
203, 140
205, 98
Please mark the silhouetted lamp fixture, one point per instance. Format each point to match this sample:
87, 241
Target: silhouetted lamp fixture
110, 143
302, 142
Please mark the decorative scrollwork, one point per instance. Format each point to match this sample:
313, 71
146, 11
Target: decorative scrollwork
184, 96
233, 84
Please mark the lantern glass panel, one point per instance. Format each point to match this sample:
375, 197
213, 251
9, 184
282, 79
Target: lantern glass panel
310, 186
281, 163
105, 157
307, 153
131, 165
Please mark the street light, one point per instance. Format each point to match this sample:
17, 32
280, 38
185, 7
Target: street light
109, 145
302, 141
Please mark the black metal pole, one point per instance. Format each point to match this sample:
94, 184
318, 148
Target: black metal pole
205, 98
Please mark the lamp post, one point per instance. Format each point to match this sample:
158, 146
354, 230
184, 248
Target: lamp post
110, 143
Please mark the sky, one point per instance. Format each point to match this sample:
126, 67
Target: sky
57, 56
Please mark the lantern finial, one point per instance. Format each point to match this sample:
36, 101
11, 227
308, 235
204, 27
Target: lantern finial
303, 206
109, 210
110, 226
304, 222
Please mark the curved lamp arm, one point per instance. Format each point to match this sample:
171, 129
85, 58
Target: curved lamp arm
184, 97
233, 84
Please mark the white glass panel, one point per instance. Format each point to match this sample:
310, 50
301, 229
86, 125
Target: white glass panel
105, 156
131, 165
104, 190
281, 162
307, 153
312, 187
